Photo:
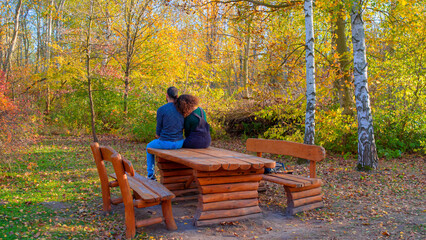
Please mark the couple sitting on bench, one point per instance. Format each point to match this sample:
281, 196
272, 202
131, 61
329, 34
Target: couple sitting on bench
180, 114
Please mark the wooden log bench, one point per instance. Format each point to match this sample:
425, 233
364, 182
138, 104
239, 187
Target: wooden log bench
136, 190
303, 193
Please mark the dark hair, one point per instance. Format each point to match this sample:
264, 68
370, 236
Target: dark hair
172, 92
185, 104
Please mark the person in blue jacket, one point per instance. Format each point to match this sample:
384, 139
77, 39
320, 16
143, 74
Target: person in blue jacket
169, 131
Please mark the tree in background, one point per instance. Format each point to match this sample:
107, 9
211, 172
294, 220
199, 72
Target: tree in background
367, 153
310, 74
6, 63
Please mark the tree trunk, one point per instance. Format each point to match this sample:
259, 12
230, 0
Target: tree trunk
130, 44
342, 83
39, 44
246, 58
89, 78
310, 75
49, 36
7, 61
367, 153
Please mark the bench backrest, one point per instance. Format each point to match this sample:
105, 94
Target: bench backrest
312, 153
105, 153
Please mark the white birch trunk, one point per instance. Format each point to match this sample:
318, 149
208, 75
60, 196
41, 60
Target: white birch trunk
367, 153
8, 57
310, 75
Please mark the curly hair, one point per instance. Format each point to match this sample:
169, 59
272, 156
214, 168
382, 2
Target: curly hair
186, 103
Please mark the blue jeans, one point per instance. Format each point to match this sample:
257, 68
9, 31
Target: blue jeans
159, 144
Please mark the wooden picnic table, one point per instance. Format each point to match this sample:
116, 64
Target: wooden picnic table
226, 181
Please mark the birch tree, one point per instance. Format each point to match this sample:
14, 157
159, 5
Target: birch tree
310, 75
7, 61
367, 153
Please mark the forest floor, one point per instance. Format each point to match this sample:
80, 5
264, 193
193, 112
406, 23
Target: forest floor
51, 190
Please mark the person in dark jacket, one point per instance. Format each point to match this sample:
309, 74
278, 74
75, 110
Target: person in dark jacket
196, 128
169, 131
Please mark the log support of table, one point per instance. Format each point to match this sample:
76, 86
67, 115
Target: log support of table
227, 196
178, 178
225, 182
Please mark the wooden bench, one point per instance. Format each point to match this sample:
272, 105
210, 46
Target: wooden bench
303, 193
146, 192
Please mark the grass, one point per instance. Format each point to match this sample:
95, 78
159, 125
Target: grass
51, 190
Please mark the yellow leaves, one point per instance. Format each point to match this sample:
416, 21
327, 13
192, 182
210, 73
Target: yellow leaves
336, 55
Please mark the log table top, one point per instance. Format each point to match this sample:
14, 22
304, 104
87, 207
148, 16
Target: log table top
213, 159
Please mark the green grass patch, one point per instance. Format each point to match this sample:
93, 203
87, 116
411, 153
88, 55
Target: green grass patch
51, 190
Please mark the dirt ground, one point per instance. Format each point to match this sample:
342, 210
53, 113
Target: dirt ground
273, 225
388, 203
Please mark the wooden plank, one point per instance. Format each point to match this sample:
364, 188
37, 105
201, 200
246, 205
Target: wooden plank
179, 186
231, 219
307, 193
103, 175
156, 187
229, 204
300, 150
234, 162
307, 200
266, 162
162, 160
318, 184
229, 213
281, 181
116, 201
184, 191
230, 187
175, 179
128, 167
292, 211
185, 198
255, 162
189, 181
216, 197
113, 183
210, 158
224, 173
312, 169
145, 193
107, 152
312, 180
180, 172
166, 208
182, 156
304, 180
149, 221
171, 166
140, 203
230, 179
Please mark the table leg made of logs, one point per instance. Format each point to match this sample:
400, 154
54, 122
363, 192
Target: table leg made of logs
223, 195
178, 178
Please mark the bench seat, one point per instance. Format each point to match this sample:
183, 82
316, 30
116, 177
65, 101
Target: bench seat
148, 190
302, 193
